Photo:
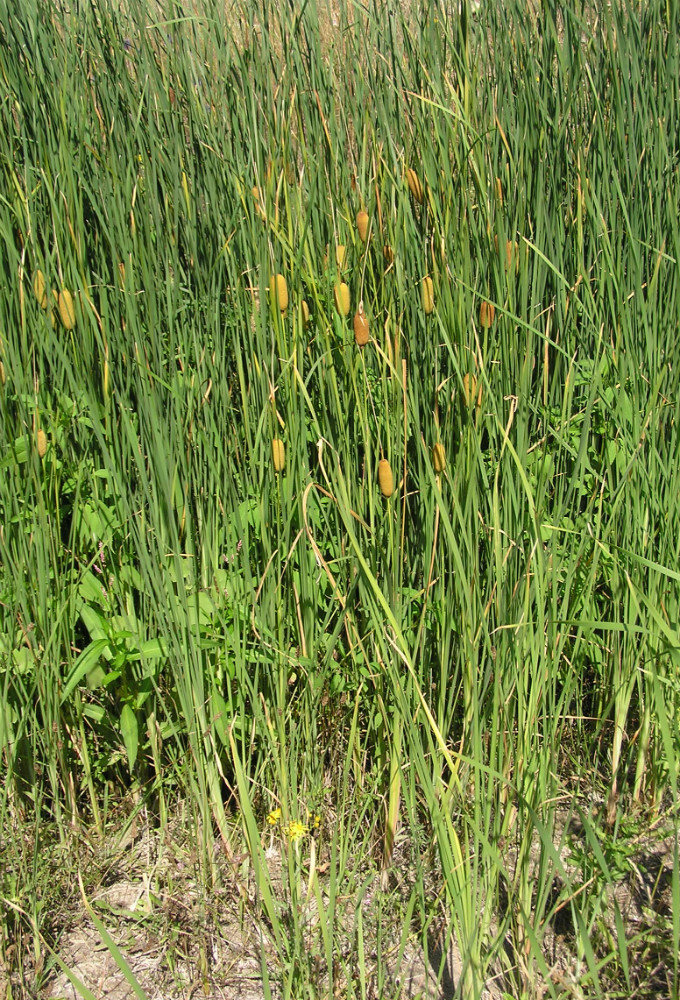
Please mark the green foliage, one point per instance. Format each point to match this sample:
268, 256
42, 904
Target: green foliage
178, 616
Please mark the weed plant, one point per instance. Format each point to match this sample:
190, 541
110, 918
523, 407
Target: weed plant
464, 663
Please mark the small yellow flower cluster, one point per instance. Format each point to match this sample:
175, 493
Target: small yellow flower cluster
295, 830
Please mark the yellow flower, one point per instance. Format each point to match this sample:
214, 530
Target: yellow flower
274, 817
296, 830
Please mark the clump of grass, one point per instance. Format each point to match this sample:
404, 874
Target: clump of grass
493, 642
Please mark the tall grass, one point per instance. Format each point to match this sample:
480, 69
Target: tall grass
476, 654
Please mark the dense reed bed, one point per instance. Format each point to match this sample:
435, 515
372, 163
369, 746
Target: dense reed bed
339, 483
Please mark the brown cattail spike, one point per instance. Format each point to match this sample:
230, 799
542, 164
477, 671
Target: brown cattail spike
259, 203
341, 294
304, 308
361, 332
278, 292
439, 458
40, 288
414, 186
472, 390
385, 478
427, 289
41, 442
67, 311
340, 254
278, 455
487, 311
362, 225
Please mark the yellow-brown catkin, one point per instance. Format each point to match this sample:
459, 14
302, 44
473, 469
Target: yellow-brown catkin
511, 253
106, 374
259, 203
67, 309
385, 478
362, 225
471, 389
41, 442
341, 293
487, 311
388, 254
414, 186
305, 314
361, 332
278, 455
340, 254
427, 289
278, 292
439, 458
40, 289
499, 190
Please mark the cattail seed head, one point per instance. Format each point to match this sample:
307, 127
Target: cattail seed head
361, 332
341, 293
388, 254
511, 253
278, 292
67, 310
41, 442
340, 254
427, 289
278, 455
306, 316
472, 390
439, 458
362, 225
487, 311
259, 203
385, 478
40, 289
414, 186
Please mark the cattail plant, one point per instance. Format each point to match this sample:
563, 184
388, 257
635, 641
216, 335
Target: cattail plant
472, 390
415, 186
385, 478
361, 332
511, 253
427, 290
259, 203
362, 225
439, 458
341, 294
278, 292
278, 455
40, 288
487, 312
66, 307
